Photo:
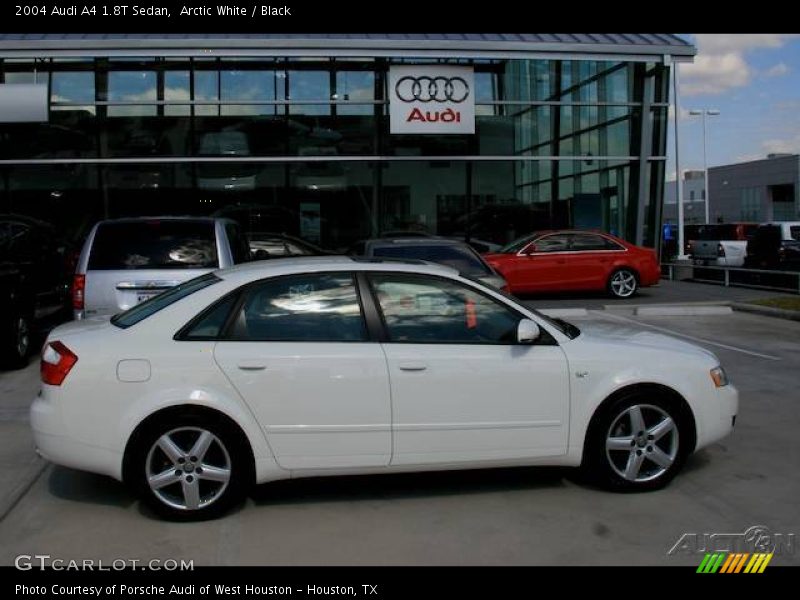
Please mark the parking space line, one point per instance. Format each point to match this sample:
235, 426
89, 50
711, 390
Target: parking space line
691, 337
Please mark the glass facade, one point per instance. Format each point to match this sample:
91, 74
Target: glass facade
302, 146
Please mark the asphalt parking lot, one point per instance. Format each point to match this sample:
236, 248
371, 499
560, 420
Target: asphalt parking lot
506, 517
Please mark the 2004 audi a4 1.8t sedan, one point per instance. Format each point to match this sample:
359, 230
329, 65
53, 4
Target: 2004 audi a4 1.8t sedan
332, 365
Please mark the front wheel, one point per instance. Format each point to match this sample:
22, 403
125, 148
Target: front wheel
623, 283
190, 468
637, 444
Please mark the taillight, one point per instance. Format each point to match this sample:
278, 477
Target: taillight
57, 361
78, 289
720, 250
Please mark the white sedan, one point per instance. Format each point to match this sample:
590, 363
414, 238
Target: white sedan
330, 365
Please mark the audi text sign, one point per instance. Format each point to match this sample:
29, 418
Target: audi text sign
431, 99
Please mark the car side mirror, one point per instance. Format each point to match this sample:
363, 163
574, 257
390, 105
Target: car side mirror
527, 331
530, 250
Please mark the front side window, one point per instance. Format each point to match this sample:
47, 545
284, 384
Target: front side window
316, 307
420, 309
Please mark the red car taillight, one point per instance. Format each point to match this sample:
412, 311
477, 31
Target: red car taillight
57, 361
78, 288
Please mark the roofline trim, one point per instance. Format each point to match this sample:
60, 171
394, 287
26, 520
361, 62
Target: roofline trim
335, 47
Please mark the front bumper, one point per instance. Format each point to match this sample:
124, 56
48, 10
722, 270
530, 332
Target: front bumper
719, 415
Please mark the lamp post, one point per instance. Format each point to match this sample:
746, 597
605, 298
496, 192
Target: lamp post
711, 112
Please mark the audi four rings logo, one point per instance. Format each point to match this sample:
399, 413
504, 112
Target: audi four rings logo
432, 89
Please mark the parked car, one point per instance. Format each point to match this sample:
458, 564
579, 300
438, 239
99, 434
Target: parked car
127, 261
273, 245
548, 261
452, 253
775, 246
331, 365
722, 244
34, 283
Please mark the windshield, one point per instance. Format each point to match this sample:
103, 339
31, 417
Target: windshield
149, 307
518, 244
463, 259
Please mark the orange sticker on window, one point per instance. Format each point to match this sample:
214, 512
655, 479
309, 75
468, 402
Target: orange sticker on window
472, 316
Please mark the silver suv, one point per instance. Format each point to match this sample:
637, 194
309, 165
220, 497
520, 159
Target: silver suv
127, 261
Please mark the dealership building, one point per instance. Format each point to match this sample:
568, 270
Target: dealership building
339, 137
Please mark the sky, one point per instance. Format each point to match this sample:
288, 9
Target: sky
754, 81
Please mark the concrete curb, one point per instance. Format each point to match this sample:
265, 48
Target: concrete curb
682, 311
12, 497
767, 311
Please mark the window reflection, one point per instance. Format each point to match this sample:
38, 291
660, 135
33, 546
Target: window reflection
132, 86
321, 307
418, 309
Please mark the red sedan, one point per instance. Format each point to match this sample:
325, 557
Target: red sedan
548, 261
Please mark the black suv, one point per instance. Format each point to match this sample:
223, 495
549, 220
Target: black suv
34, 283
775, 246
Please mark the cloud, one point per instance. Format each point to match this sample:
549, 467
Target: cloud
721, 62
789, 145
777, 70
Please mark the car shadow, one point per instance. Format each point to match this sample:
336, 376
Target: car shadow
354, 488
642, 294
88, 488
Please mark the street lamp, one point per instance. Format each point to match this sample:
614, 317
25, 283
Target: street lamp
711, 112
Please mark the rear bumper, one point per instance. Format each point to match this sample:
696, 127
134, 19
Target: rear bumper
53, 443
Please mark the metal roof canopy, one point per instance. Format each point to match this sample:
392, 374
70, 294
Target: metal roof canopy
627, 47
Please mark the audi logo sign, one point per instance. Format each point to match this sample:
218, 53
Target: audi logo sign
431, 99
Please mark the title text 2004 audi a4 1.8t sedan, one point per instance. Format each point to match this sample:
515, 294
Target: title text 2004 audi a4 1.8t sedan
331, 365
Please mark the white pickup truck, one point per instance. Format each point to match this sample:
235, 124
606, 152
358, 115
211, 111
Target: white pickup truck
721, 244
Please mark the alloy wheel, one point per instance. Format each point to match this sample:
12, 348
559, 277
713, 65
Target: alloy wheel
23, 339
188, 468
623, 284
642, 443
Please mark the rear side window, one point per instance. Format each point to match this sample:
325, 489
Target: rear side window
464, 260
156, 244
149, 307
794, 232
319, 307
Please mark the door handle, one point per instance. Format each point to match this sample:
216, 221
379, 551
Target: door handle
251, 365
412, 365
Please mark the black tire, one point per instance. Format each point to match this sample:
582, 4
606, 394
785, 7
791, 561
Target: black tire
17, 341
623, 283
228, 450
612, 447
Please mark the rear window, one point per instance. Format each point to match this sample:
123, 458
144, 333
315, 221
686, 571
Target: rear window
464, 260
149, 307
154, 244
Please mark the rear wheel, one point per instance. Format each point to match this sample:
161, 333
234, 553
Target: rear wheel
623, 283
638, 443
191, 467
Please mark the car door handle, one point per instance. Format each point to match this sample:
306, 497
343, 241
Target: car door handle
412, 365
251, 365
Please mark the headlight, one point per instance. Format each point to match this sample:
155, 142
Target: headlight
719, 377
